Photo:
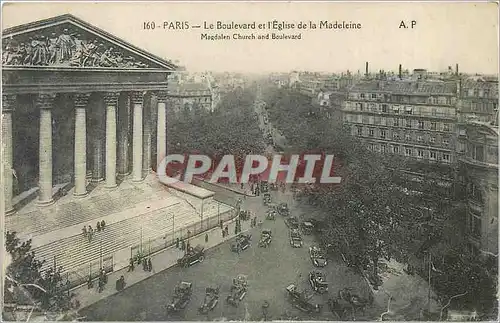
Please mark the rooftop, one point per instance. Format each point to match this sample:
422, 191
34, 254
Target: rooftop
407, 87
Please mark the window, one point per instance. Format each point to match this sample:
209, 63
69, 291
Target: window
420, 153
432, 155
474, 193
408, 151
361, 107
420, 139
475, 224
432, 140
420, 125
384, 108
362, 95
374, 96
371, 147
395, 149
433, 126
446, 142
395, 110
409, 110
408, 137
371, 132
383, 148
395, 122
382, 133
360, 131
395, 135
446, 157
446, 127
408, 123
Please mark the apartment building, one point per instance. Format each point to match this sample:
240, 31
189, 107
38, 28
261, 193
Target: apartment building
478, 99
414, 118
480, 176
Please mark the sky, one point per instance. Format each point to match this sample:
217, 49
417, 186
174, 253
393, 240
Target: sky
445, 34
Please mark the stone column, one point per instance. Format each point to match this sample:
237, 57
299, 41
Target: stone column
146, 138
8, 105
137, 101
45, 103
98, 116
111, 100
123, 129
161, 132
81, 101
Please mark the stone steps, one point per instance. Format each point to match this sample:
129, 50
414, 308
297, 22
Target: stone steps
75, 252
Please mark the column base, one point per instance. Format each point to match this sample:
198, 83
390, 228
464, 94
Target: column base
137, 180
124, 174
80, 195
110, 187
97, 180
45, 203
10, 212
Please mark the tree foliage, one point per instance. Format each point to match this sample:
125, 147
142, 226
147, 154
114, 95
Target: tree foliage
26, 270
231, 129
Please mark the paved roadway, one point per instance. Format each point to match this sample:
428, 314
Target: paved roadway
269, 272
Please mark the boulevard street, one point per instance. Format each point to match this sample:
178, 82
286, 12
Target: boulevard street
269, 271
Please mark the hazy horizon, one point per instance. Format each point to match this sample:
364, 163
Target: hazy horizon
445, 34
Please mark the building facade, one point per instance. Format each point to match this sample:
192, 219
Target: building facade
415, 119
480, 176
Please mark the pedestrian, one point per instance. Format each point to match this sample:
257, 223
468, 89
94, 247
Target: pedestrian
145, 265
98, 226
150, 265
84, 231
131, 265
227, 230
221, 225
223, 234
188, 247
90, 233
241, 185
100, 285
183, 245
103, 224
177, 243
90, 284
206, 237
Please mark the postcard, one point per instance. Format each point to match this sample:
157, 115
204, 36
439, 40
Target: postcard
250, 161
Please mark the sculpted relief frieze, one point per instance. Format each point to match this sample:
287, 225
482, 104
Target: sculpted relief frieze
65, 46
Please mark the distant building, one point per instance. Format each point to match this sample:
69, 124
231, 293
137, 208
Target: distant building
191, 91
478, 99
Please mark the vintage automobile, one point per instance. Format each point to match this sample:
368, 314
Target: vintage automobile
211, 300
182, 296
238, 290
283, 209
295, 239
274, 187
301, 300
266, 198
264, 187
193, 256
318, 282
241, 243
265, 238
318, 257
292, 222
271, 215
307, 227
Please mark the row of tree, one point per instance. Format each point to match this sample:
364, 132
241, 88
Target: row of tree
375, 213
231, 129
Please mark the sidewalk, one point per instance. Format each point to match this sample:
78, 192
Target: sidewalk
162, 260
233, 187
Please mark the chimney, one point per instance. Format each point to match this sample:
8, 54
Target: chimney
456, 69
400, 71
366, 69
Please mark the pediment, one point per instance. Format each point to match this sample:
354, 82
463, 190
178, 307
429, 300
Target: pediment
68, 42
